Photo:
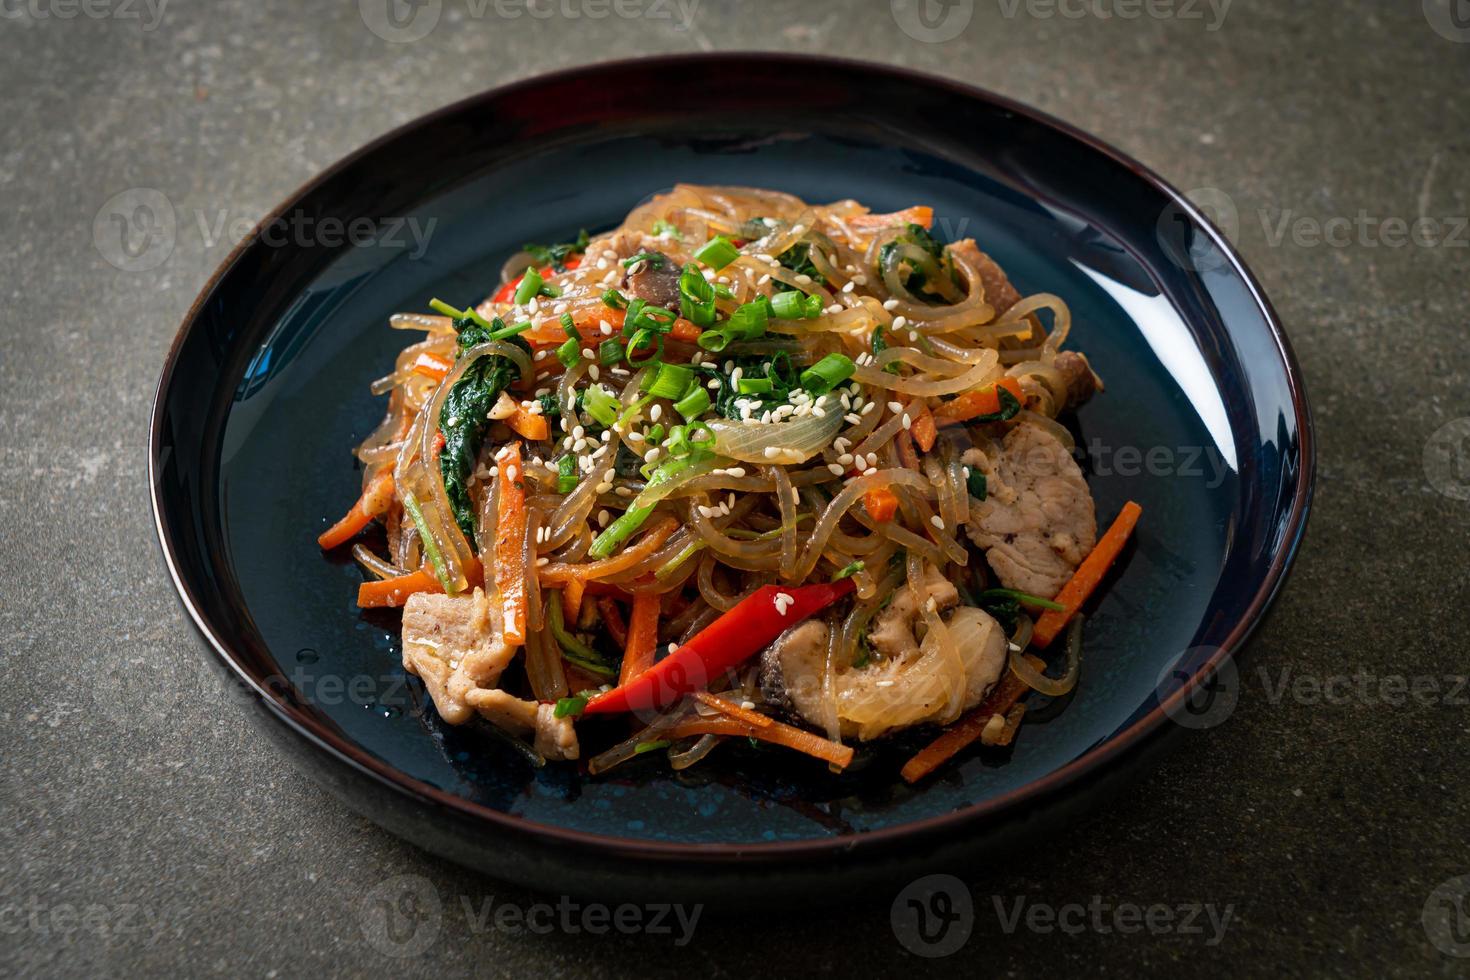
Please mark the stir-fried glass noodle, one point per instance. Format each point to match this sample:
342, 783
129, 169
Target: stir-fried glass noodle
744, 466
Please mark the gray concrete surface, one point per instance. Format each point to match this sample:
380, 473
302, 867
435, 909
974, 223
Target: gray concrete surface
143, 834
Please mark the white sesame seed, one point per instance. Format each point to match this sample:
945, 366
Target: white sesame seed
869, 407
587, 353
772, 452
804, 279
852, 419
849, 286
593, 372
655, 413
604, 326
937, 521
836, 469
895, 407
578, 432
899, 322
845, 459
907, 422
890, 304
870, 471
736, 471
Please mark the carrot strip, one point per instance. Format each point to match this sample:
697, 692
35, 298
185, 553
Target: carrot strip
510, 536
374, 502
732, 710
981, 401
571, 601
612, 619
589, 321
777, 733
881, 503
919, 214
1088, 575
924, 430
962, 733
431, 365
529, 425
394, 592
642, 637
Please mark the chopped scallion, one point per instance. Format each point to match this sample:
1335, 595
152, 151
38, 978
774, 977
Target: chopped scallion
601, 404
694, 404
717, 253
827, 373
569, 352
530, 286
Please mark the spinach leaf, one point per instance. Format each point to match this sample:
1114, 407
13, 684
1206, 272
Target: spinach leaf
556, 255
465, 416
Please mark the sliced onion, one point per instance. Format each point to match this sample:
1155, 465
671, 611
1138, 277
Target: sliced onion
794, 441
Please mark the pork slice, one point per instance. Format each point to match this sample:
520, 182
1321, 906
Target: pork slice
1041, 523
454, 643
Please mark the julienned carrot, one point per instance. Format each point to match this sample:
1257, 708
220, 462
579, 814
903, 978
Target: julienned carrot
571, 601
529, 425
981, 401
776, 733
732, 710
881, 504
612, 619
924, 430
510, 538
642, 636
375, 500
431, 365
589, 321
392, 592
395, 591
962, 733
919, 214
1088, 575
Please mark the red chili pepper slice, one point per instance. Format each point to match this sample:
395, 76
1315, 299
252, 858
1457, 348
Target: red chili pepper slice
507, 292
735, 637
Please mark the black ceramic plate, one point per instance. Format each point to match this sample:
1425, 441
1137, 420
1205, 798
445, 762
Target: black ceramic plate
1204, 422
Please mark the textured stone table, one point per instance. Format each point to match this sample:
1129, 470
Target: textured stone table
146, 831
